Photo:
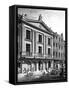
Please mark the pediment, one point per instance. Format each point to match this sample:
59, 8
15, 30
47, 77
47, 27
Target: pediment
40, 24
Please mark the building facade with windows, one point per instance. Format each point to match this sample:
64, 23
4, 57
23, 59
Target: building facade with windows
39, 48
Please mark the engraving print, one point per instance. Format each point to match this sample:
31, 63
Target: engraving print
41, 45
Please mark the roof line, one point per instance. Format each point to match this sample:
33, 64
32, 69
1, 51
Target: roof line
35, 27
41, 22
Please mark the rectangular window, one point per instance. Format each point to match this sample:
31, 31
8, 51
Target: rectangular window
59, 46
59, 54
49, 51
27, 34
40, 50
49, 41
28, 48
49, 64
40, 38
53, 53
59, 39
56, 54
56, 44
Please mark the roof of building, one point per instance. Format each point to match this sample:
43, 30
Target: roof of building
29, 22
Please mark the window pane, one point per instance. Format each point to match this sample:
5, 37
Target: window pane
48, 41
59, 54
27, 34
28, 48
53, 53
40, 49
40, 38
49, 64
56, 54
48, 51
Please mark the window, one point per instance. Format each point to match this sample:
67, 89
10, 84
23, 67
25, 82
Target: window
49, 51
49, 41
40, 38
56, 54
27, 34
49, 64
53, 44
59, 54
28, 48
59, 39
62, 47
56, 44
40, 50
59, 46
53, 53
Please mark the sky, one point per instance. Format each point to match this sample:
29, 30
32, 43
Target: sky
55, 19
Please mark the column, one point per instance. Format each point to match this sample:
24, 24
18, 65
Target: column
22, 37
29, 67
32, 64
52, 62
33, 42
43, 65
46, 66
22, 68
52, 46
37, 66
44, 45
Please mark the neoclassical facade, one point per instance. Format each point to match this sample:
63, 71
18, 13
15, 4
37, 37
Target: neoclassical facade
39, 48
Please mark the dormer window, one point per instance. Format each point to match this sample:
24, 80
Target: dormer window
40, 38
27, 34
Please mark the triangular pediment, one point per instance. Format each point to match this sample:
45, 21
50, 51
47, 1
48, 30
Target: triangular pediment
40, 24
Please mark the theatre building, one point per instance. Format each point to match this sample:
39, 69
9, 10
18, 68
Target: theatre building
38, 49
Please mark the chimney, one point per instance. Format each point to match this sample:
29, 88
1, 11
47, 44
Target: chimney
40, 17
24, 16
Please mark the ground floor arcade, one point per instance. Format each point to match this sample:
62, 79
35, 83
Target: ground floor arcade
29, 65
31, 69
